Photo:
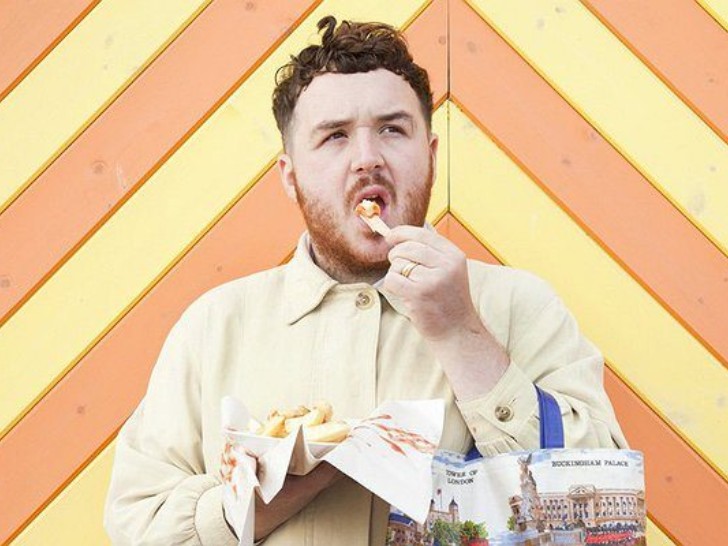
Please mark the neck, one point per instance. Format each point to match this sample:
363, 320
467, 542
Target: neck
339, 272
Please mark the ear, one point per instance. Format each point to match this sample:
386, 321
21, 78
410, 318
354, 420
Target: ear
285, 169
434, 143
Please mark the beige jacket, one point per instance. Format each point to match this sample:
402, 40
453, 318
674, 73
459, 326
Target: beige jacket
292, 335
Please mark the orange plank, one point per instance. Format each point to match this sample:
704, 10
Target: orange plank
94, 399
593, 183
682, 44
675, 475
427, 39
132, 138
29, 30
79, 406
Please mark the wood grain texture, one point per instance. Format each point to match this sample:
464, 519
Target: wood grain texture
624, 101
717, 9
76, 81
132, 138
29, 30
681, 44
75, 518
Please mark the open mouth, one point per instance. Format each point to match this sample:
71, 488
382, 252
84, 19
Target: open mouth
375, 195
378, 200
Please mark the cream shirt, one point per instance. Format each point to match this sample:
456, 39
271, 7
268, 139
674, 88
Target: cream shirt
292, 335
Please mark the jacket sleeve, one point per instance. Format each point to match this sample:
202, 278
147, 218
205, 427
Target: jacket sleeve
160, 492
547, 349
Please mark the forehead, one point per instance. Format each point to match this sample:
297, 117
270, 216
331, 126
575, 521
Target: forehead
361, 96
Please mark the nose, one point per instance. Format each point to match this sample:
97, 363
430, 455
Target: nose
366, 153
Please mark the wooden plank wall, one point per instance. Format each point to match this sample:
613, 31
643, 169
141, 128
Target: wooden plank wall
584, 140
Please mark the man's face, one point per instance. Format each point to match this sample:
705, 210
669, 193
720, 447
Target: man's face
357, 136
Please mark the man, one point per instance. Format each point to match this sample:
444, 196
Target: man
354, 318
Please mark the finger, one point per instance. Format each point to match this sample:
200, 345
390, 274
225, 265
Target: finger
416, 273
396, 284
417, 252
400, 234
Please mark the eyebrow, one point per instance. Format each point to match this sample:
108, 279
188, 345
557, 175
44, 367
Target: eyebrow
338, 123
399, 115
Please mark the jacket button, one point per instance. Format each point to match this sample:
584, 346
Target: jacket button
364, 300
503, 413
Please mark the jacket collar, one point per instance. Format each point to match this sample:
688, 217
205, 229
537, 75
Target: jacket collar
306, 284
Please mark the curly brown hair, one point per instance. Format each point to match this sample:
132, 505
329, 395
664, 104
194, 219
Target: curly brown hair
350, 48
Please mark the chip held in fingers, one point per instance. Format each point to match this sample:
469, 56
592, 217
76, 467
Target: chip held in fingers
317, 424
370, 211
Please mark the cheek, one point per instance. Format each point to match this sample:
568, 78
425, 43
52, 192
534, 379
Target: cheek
321, 173
412, 164
411, 180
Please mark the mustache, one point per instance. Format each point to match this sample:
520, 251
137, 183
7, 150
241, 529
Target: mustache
363, 182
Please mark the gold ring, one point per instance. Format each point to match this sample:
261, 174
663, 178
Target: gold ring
407, 269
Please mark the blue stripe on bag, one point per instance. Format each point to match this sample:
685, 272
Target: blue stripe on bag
551, 427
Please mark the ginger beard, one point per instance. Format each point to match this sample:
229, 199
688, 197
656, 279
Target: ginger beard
343, 257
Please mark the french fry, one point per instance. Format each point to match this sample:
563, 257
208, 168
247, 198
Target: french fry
288, 413
300, 411
275, 427
316, 423
313, 417
326, 409
369, 211
368, 208
333, 431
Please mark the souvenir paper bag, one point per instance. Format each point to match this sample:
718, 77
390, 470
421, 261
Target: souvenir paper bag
551, 496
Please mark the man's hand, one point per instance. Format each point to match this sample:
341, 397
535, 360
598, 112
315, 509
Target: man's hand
436, 293
297, 492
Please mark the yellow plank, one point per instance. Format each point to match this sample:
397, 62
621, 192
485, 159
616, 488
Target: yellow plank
78, 79
655, 537
641, 117
75, 516
439, 200
718, 9
643, 343
152, 230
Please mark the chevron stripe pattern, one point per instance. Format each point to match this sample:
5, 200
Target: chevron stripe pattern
584, 140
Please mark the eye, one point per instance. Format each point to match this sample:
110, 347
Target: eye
393, 129
334, 136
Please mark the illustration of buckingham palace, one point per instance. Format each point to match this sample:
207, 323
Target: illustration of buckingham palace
584, 505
